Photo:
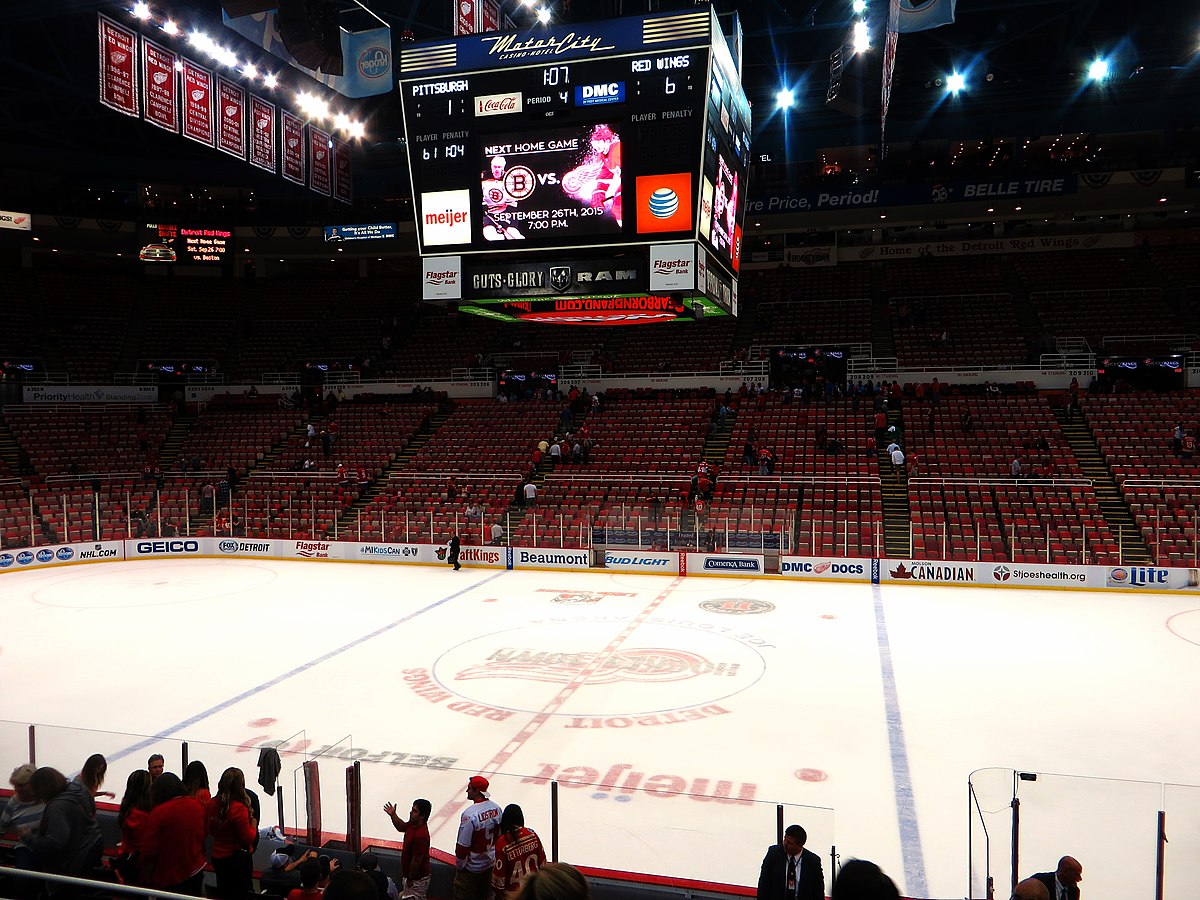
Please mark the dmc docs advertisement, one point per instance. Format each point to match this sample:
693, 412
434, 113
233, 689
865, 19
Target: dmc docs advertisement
651, 563
724, 564
825, 569
557, 182
61, 554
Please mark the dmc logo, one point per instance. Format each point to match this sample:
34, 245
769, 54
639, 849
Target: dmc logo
824, 566
601, 90
1002, 573
6, 560
45, 555
65, 553
24, 558
374, 62
227, 546
168, 547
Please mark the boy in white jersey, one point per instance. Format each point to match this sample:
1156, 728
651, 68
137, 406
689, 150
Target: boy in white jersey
475, 852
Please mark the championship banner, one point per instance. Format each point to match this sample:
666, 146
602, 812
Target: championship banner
231, 104
319, 162
293, 151
197, 103
343, 186
464, 22
262, 133
118, 67
160, 86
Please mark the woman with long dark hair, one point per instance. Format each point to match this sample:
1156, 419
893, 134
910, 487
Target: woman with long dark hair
131, 818
232, 826
519, 853
195, 782
173, 839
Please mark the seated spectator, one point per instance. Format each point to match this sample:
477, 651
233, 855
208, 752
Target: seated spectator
22, 811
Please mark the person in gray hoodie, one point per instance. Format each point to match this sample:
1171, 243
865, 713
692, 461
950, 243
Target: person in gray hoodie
68, 840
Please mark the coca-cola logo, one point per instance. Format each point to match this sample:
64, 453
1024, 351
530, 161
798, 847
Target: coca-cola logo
498, 104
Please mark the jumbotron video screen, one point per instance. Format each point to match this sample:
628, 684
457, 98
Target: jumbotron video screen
618, 133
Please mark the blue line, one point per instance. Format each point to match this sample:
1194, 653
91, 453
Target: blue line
279, 679
906, 807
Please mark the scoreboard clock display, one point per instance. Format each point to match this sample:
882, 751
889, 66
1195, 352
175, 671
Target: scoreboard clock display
594, 136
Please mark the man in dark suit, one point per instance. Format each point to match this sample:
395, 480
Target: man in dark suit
1063, 882
789, 872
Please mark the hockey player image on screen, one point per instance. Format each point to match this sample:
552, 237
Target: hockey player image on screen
596, 181
497, 199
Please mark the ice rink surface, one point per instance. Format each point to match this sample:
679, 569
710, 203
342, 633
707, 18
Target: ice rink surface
674, 713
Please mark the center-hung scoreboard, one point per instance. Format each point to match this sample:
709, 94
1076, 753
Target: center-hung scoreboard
590, 173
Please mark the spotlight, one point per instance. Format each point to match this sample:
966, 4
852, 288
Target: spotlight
170, 27
1098, 70
956, 82
860, 7
141, 11
784, 99
249, 70
543, 15
862, 37
270, 80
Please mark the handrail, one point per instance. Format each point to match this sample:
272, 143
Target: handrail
967, 479
1176, 337
95, 887
31, 408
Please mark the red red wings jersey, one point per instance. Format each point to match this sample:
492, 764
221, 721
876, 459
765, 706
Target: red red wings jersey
516, 861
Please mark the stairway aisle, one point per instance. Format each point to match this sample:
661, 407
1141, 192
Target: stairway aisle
1120, 521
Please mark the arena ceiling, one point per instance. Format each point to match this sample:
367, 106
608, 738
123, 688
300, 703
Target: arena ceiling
1035, 52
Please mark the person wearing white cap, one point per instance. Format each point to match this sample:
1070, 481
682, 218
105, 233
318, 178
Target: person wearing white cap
475, 852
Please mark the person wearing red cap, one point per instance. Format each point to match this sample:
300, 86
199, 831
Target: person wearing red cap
475, 852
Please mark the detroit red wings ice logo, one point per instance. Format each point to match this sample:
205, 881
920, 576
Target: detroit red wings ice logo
646, 664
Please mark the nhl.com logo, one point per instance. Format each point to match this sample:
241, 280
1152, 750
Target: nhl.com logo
1002, 573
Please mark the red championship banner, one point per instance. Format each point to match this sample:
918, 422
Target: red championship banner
294, 148
343, 185
319, 160
464, 22
160, 86
197, 103
262, 133
118, 67
231, 118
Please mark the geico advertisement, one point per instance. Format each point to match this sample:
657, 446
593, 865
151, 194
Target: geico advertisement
60, 554
549, 558
822, 567
642, 561
725, 564
176, 546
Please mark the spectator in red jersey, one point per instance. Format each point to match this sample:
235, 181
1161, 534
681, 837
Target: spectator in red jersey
519, 853
880, 425
173, 843
131, 819
415, 869
232, 826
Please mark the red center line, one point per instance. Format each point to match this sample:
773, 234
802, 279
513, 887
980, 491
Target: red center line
493, 766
